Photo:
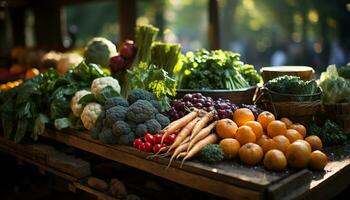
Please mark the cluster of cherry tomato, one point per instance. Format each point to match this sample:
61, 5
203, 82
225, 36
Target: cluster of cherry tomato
152, 143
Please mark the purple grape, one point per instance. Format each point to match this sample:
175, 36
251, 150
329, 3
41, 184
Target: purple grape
216, 117
181, 114
198, 105
207, 104
211, 108
197, 95
200, 101
176, 116
194, 100
188, 104
188, 97
221, 113
180, 106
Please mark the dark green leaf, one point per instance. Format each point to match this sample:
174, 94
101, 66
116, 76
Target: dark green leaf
87, 99
21, 129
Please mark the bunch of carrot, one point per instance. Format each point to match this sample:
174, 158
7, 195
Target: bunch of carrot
194, 134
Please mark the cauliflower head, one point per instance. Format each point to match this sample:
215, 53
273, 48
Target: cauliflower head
77, 108
99, 50
100, 83
90, 114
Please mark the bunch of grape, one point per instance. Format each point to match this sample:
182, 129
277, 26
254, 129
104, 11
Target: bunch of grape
180, 107
223, 107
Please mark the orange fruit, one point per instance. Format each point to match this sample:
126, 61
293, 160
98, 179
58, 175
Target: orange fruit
275, 160
264, 118
30, 73
230, 147
269, 144
226, 128
298, 155
262, 139
286, 121
318, 160
315, 142
282, 142
304, 142
293, 135
245, 135
276, 128
250, 154
243, 115
300, 128
257, 128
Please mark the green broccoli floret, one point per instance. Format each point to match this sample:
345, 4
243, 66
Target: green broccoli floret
162, 119
212, 153
141, 111
121, 128
140, 130
126, 139
156, 105
153, 126
106, 123
99, 121
116, 113
132, 125
116, 101
94, 132
140, 94
107, 137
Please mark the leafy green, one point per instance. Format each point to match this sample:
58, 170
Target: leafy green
329, 133
214, 70
335, 89
154, 80
249, 73
345, 71
292, 85
211, 153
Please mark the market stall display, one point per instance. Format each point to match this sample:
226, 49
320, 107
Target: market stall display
136, 105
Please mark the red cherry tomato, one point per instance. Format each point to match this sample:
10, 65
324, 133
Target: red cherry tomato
137, 143
157, 138
148, 147
170, 139
142, 146
148, 138
164, 145
156, 148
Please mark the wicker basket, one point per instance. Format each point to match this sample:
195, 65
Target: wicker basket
301, 108
339, 113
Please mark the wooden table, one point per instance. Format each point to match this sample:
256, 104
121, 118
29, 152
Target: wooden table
228, 179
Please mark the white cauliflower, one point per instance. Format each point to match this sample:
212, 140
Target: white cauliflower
99, 50
74, 105
90, 114
100, 83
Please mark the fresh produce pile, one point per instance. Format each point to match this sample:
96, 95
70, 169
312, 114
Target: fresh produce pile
274, 143
223, 107
121, 120
215, 70
335, 84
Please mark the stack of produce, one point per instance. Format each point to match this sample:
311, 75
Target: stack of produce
223, 107
215, 70
285, 143
124, 119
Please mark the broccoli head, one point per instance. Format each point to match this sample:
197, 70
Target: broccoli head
107, 137
156, 105
153, 126
99, 121
126, 139
106, 123
121, 128
116, 113
212, 153
116, 101
140, 130
94, 132
162, 120
132, 125
140, 94
141, 111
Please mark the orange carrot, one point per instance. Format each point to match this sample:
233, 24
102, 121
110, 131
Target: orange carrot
210, 139
185, 131
181, 155
202, 123
178, 124
181, 148
202, 134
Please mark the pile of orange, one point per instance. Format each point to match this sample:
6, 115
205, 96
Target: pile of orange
275, 143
